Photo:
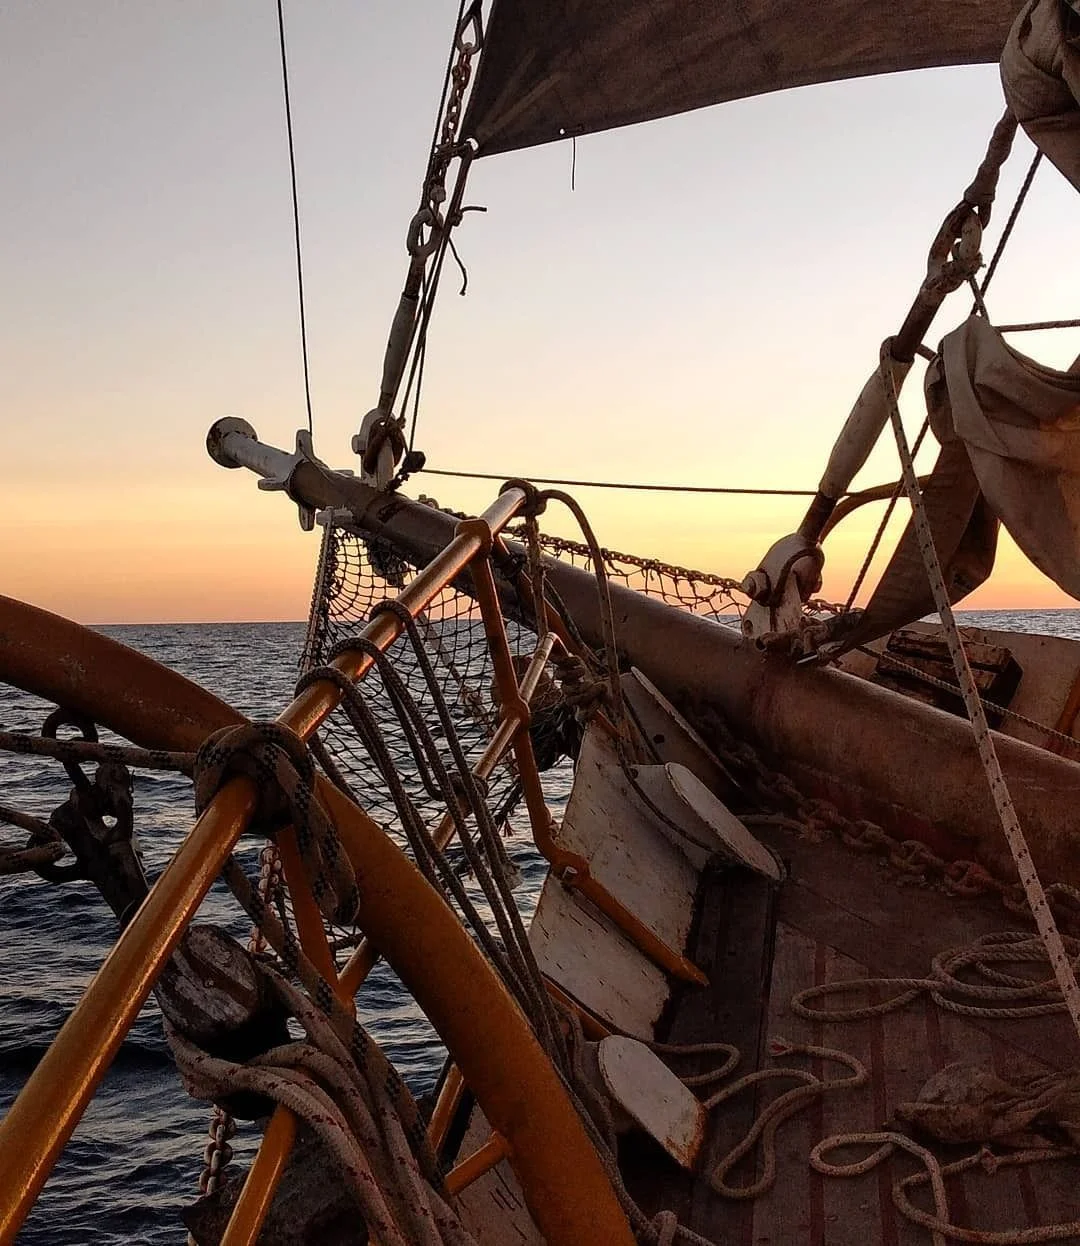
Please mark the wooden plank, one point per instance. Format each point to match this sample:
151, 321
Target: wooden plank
852, 1214
733, 941
581, 950
493, 1207
782, 1216
628, 849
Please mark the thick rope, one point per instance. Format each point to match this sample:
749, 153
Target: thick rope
279, 764
781, 1109
349, 1108
995, 995
363, 1050
887, 1142
78, 752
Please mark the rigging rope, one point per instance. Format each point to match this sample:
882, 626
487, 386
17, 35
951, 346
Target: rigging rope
1010, 823
296, 213
611, 484
1006, 233
880, 533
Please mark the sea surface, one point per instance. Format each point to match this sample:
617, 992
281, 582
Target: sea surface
135, 1159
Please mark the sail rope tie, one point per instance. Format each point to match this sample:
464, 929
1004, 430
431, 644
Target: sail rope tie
281, 767
983, 189
1010, 823
350, 1109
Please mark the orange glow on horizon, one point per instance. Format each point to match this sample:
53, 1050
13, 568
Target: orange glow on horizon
220, 551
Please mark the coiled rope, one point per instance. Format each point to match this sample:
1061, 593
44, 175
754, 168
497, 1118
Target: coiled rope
997, 996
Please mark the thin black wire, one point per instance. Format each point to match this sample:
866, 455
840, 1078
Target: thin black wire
296, 215
614, 484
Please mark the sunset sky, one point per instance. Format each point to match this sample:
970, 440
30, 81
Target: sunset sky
702, 309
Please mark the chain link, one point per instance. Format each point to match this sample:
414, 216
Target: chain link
448, 145
913, 860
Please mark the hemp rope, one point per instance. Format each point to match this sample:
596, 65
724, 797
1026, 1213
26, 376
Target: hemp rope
349, 1107
1003, 996
934, 1174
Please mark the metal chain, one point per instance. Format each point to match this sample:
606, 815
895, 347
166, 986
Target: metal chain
814, 816
468, 40
222, 1126
268, 887
217, 1153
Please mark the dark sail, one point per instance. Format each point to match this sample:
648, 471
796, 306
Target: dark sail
551, 68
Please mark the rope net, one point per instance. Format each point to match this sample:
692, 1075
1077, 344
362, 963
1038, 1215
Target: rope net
355, 574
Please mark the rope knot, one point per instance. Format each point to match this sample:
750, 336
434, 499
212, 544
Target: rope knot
386, 430
256, 750
579, 687
535, 501
279, 764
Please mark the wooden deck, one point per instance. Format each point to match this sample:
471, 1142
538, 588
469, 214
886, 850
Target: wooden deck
838, 916
841, 916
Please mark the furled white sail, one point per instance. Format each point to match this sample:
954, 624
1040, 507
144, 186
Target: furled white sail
550, 68
1020, 424
1040, 71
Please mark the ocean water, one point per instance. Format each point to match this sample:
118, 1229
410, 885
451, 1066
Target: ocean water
135, 1159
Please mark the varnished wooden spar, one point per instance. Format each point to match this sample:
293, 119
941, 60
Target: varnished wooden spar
910, 760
